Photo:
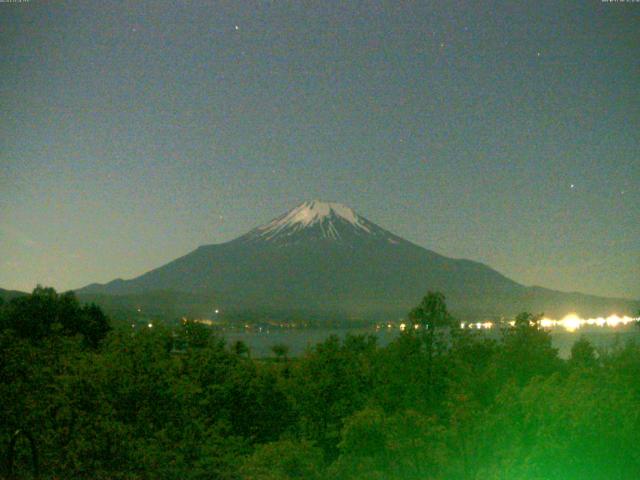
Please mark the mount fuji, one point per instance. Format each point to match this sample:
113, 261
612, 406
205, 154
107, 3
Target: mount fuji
323, 260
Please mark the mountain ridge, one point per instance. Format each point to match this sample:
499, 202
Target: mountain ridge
323, 256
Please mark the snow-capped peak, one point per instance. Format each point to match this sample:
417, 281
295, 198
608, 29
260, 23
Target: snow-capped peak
327, 218
313, 212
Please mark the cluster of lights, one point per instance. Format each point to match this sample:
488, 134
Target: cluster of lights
570, 323
477, 325
403, 326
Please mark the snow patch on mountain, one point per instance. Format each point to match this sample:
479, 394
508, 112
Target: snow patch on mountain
311, 213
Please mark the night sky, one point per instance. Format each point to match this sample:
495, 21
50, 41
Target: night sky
503, 132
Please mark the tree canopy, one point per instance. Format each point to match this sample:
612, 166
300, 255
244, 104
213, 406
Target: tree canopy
46, 312
179, 403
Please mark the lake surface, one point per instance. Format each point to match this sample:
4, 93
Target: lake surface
298, 340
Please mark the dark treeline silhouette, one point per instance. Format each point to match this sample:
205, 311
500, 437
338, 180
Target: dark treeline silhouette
82, 401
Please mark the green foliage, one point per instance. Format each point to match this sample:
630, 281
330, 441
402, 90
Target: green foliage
330, 383
526, 351
559, 427
283, 460
431, 313
194, 334
45, 313
407, 444
240, 348
583, 355
281, 351
436, 403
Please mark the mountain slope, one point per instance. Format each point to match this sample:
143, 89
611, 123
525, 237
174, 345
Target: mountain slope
8, 295
326, 259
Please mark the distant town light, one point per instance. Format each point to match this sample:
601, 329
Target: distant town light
547, 323
204, 321
572, 322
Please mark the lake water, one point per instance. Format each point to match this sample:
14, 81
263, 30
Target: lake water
298, 340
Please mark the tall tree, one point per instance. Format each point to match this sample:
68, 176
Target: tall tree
526, 351
429, 317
